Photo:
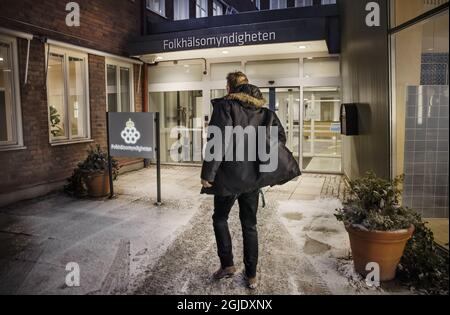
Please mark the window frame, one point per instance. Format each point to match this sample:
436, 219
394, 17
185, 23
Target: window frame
278, 5
66, 53
198, 6
217, 5
161, 2
176, 4
120, 65
297, 3
16, 108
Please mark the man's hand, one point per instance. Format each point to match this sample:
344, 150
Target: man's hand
206, 184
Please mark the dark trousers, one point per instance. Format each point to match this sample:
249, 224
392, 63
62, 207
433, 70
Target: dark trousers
248, 208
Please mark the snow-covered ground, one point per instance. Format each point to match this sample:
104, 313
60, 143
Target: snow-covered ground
130, 246
324, 242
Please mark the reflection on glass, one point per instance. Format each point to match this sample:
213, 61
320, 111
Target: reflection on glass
321, 67
56, 96
181, 125
7, 132
287, 107
219, 71
422, 115
77, 106
272, 69
405, 10
111, 78
125, 90
322, 142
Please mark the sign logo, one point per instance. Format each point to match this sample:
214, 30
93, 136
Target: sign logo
130, 134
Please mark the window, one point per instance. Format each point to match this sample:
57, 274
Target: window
217, 8
67, 95
420, 105
10, 113
405, 10
303, 3
321, 67
202, 8
325, 2
158, 6
278, 4
119, 87
231, 10
181, 10
183, 71
258, 4
271, 69
219, 71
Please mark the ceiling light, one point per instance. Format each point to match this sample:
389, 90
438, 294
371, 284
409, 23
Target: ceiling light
302, 47
310, 58
225, 52
159, 58
1, 59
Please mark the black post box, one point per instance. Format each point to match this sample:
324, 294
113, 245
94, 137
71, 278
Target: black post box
349, 120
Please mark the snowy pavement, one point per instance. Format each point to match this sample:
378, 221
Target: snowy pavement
130, 246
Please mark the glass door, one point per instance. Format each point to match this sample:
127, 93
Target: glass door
181, 125
321, 134
286, 103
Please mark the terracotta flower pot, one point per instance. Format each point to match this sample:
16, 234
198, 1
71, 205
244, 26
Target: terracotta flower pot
384, 248
98, 184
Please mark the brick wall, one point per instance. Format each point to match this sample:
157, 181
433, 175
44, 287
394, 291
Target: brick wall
106, 25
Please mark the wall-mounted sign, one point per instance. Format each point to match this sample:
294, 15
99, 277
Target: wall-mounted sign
232, 36
218, 41
335, 127
132, 135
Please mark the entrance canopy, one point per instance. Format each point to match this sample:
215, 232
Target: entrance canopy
313, 27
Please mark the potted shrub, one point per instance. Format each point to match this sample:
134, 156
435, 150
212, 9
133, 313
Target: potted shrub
91, 177
379, 227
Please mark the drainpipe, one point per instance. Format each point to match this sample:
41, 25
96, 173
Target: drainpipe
23, 35
145, 106
27, 62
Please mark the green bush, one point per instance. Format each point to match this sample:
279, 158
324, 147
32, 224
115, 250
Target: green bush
374, 204
96, 161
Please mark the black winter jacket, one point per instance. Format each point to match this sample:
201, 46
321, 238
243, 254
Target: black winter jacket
245, 107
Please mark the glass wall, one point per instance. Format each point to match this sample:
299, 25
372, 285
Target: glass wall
420, 107
286, 103
322, 141
182, 71
270, 69
321, 67
405, 10
181, 125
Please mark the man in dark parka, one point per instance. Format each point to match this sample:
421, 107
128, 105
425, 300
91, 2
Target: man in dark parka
242, 179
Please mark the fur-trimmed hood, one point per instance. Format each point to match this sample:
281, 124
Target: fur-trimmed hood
248, 95
246, 99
